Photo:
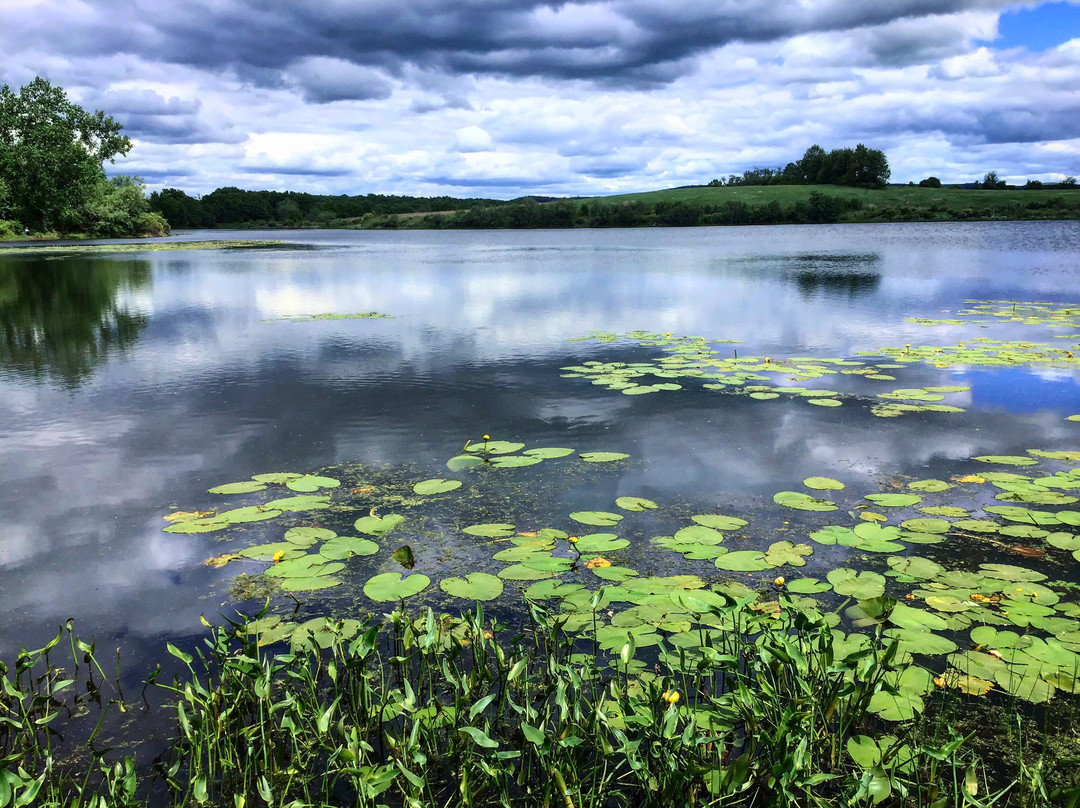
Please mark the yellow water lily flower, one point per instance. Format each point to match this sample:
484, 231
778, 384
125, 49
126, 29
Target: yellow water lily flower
779, 581
487, 437
671, 696
279, 556
573, 539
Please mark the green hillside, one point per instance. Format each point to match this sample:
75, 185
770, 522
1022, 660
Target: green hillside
936, 203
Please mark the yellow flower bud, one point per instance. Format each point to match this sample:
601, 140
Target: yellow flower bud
279, 556
779, 581
487, 437
671, 696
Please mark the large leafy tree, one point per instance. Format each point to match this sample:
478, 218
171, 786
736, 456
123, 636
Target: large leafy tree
51, 152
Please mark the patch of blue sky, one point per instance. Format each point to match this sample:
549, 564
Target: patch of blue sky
1039, 28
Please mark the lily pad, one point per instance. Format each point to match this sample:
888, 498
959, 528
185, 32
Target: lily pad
808, 586
390, 586
894, 500
311, 482
490, 530
436, 486
462, 462
474, 586
278, 477
823, 484
719, 521
930, 486
635, 504
597, 518
307, 536
784, 552
803, 502
376, 525
246, 487
494, 447
858, 585
343, 547
547, 454
599, 543
1007, 460
603, 457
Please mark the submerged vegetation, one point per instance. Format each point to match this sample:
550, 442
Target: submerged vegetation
912, 642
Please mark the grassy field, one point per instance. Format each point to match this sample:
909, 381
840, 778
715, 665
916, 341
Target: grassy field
949, 199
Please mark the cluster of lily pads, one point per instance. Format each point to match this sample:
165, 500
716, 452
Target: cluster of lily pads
502, 454
308, 318
694, 358
998, 625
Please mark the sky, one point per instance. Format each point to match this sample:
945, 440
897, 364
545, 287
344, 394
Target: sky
504, 98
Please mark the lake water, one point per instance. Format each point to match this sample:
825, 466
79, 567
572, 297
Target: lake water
131, 383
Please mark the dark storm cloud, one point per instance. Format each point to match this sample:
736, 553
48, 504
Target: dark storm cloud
634, 41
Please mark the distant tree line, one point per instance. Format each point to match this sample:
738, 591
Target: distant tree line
860, 167
818, 208
51, 175
235, 207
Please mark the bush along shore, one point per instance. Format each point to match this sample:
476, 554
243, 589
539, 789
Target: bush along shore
764, 708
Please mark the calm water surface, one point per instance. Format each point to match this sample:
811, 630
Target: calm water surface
131, 383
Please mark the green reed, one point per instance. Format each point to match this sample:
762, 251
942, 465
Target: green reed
425, 710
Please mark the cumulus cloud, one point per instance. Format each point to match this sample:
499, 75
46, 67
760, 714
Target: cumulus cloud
510, 97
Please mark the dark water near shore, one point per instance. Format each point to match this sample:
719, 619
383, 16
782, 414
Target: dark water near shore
130, 384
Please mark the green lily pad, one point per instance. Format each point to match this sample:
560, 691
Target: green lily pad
462, 462
823, 484
390, 586
698, 534
784, 552
894, 500
803, 502
864, 751
343, 547
614, 573
595, 543
309, 584
808, 586
548, 453
246, 487
494, 447
926, 525
1007, 460
834, 534
378, 525
858, 585
266, 552
277, 477
918, 641
474, 586
515, 461
635, 504
905, 616
596, 518
436, 486
946, 510
896, 707
930, 486
824, 402
719, 521
490, 530
304, 566
252, 513
603, 457
311, 482
307, 536
922, 569
1010, 572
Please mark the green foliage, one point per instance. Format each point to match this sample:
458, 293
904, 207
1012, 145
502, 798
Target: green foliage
860, 167
51, 153
930, 182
